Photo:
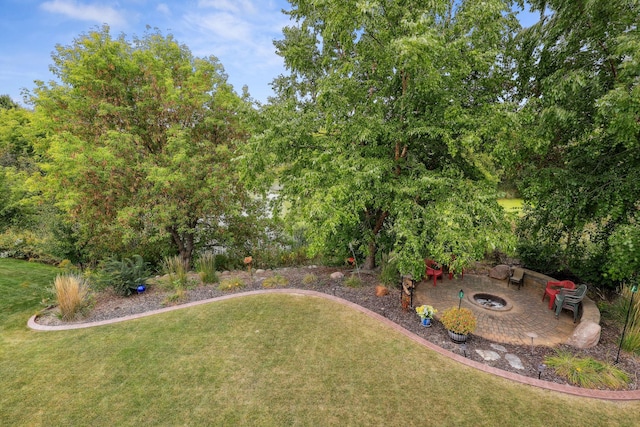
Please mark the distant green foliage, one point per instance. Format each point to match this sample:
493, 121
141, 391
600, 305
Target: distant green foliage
125, 275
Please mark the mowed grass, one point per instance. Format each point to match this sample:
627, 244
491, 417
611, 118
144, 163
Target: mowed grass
264, 360
511, 205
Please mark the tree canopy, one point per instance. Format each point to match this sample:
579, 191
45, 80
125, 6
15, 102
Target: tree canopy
580, 160
140, 136
382, 130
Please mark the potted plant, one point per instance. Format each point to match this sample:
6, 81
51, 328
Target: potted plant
459, 322
426, 313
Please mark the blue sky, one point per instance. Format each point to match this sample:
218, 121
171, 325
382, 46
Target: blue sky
238, 32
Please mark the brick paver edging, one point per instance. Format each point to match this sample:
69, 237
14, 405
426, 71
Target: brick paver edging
561, 388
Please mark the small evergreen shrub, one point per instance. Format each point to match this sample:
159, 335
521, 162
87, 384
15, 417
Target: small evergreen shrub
71, 294
275, 281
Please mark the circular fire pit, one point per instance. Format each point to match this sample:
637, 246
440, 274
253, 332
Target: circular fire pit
490, 302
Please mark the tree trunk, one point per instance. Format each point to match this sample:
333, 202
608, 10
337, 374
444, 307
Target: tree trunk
184, 243
370, 261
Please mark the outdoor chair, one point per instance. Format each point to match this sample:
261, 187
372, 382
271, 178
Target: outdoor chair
554, 287
433, 269
570, 299
517, 276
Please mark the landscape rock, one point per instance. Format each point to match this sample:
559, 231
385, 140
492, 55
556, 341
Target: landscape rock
381, 291
337, 275
585, 335
500, 272
488, 354
514, 361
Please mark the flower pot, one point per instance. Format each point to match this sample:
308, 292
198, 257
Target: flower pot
458, 338
426, 322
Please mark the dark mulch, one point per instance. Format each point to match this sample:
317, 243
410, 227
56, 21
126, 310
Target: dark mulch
107, 306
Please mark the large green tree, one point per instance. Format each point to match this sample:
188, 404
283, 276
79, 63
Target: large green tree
580, 156
382, 132
140, 139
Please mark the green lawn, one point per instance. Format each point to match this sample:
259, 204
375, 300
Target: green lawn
511, 205
260, 360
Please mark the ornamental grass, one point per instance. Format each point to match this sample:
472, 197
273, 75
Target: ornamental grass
71, 294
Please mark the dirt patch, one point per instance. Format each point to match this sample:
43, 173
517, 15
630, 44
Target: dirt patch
107, 305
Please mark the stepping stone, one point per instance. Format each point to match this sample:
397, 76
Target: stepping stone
498, 347
488, 354
514, 361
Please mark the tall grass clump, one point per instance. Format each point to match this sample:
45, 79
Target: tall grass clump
389, 273
631, 342
71, 294
175, 267
587, 372
206, 266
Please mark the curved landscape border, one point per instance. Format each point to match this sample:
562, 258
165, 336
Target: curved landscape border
561, 388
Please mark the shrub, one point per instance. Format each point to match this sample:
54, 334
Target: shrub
459, 320
309, 279
353, 281
125, 275
275, 281
389, 273
71, 294
175, 267
206, 265
586, 371
231, 284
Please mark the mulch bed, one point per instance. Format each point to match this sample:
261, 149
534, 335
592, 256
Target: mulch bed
108, 305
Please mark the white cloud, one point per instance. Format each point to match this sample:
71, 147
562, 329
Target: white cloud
164, 9
85, 12
224, 25
234, 6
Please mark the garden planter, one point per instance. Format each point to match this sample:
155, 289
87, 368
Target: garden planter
458, 338
426, 323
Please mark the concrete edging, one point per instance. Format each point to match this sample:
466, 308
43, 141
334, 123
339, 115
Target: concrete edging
561, 388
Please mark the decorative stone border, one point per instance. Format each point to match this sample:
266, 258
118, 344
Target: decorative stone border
561, 388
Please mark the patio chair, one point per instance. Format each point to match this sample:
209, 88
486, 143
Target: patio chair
433, 269
554, 287
517, 276
570, 299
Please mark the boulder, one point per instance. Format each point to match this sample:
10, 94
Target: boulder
381, 291
337, 275
585, 335
500, 272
